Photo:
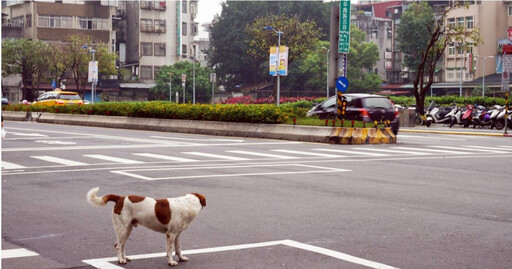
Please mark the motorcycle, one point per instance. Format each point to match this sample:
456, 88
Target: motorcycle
437, 114
480, 116
499, 122
497, 109
456, 118
467, 116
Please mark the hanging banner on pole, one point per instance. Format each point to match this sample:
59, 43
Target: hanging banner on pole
344, 33
283, 61
93, 71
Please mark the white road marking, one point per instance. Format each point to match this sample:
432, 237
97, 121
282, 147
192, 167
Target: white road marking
469, 149
203, 154
354, 152
430, 138
492, 149
308, 153
133, 172
262, 154
17, 253
433, 150
57, 160
27, 134
106, 263
197, 139
55, 142
392, 151
165, 157
111, 159
8, 165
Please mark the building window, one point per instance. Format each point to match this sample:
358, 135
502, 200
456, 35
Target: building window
510, 10
159, 49
184, 6
160, 26
28, 20
53, 21
17, 21
469, 22
183, 28
146, 72
160, 5
146, 49
451, 49
146, 4
183, 51
146, 25
460, 22
451, 22
156, 70
92, 23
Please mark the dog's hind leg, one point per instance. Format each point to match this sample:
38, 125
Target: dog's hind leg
122, 232
170, 244
177, 247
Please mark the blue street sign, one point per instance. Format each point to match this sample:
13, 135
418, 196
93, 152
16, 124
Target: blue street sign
54, 84
342, 84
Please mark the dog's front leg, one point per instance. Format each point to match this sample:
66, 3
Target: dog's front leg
177, 247
170, 245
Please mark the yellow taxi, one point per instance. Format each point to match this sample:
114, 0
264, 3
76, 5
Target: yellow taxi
58, 97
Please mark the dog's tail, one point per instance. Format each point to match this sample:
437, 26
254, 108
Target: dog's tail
101, 201
95, 200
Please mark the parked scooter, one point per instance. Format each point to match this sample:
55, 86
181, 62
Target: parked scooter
480, 116
467, 116
456, 118
437, 114
497, 109
499, 123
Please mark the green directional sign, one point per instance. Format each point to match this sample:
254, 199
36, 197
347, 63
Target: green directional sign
344, 34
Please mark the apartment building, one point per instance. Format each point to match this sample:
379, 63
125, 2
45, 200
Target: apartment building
156, 33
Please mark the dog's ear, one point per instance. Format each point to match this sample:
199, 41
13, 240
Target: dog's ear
201, 198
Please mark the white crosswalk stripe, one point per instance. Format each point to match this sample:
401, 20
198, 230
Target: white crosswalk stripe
354, 152
470, 149
57, 160
393, 151
216, 156
261, 154
490, 148
433, 150
17, 253
308, 153
165, 157
8, 165
112, 159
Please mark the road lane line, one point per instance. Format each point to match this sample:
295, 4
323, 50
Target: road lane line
261, 154
8, 165
165, 157
393, 151
112, 159
354, 152
57, 160
203, 154
432, 150
470, 149
107, 263
312, 154
17, 253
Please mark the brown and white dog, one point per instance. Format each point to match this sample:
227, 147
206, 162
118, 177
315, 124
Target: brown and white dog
170, 216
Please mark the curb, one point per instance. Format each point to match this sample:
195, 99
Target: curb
454, 133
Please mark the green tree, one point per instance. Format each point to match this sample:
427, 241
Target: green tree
228, 52
311, 73
203, 85
77, 58
362, 58
24, 57
423, 37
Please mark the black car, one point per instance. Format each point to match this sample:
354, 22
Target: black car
362, 107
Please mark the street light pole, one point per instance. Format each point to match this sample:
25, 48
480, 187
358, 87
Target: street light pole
278, 60
170, 88
194, 81
461, 64
483, 73
327, 72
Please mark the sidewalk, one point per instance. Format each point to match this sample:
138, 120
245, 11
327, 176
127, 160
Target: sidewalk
456, 129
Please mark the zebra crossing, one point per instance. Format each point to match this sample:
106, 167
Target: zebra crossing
258, 155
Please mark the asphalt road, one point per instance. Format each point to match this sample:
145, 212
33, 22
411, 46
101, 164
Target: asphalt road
429, 201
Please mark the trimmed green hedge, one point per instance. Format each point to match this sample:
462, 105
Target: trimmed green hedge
264, 113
